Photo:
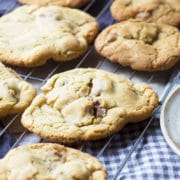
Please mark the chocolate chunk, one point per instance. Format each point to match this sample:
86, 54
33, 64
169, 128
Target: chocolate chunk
90, 84
98, 110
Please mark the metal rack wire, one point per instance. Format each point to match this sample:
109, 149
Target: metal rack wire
162, 82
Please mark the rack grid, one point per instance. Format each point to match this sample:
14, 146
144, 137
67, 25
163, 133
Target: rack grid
162, 83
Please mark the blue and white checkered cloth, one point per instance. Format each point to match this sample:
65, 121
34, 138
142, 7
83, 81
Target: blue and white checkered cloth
152, 159
6, 141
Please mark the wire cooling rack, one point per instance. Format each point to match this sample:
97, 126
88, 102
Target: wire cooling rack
106, 150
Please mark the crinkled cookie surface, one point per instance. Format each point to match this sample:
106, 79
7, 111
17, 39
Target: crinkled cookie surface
15, 93
161, 11
50, 161
87, 104
140, 45
66, 3
30, 35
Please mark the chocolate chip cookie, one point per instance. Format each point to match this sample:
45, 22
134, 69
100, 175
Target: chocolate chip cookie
87, 104
50, 162
142, 46
15, 93
30, 35
160, 11
66, 3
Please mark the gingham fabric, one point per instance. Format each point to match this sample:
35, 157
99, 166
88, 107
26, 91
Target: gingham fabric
151, 160
6, 141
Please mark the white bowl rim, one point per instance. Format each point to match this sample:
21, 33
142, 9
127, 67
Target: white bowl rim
162, 121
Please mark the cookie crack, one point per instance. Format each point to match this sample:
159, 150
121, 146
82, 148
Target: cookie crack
90, 85
178, 41
164, 14
154, 61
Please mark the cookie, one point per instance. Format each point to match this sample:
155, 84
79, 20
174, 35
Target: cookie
87, 104
66, 3
30, 35
15, 93
50, 162
161, 11
142, 46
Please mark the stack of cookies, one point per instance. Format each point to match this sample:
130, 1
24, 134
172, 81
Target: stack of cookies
81, 104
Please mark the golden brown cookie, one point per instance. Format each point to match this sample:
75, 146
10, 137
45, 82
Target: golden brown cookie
161, 11
15, 93
87, 104
66, 3
30, 35
142, 46
50, 162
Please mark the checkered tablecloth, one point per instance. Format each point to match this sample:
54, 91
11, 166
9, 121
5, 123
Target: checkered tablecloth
152, 159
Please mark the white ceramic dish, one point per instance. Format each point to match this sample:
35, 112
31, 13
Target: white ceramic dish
170, 120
